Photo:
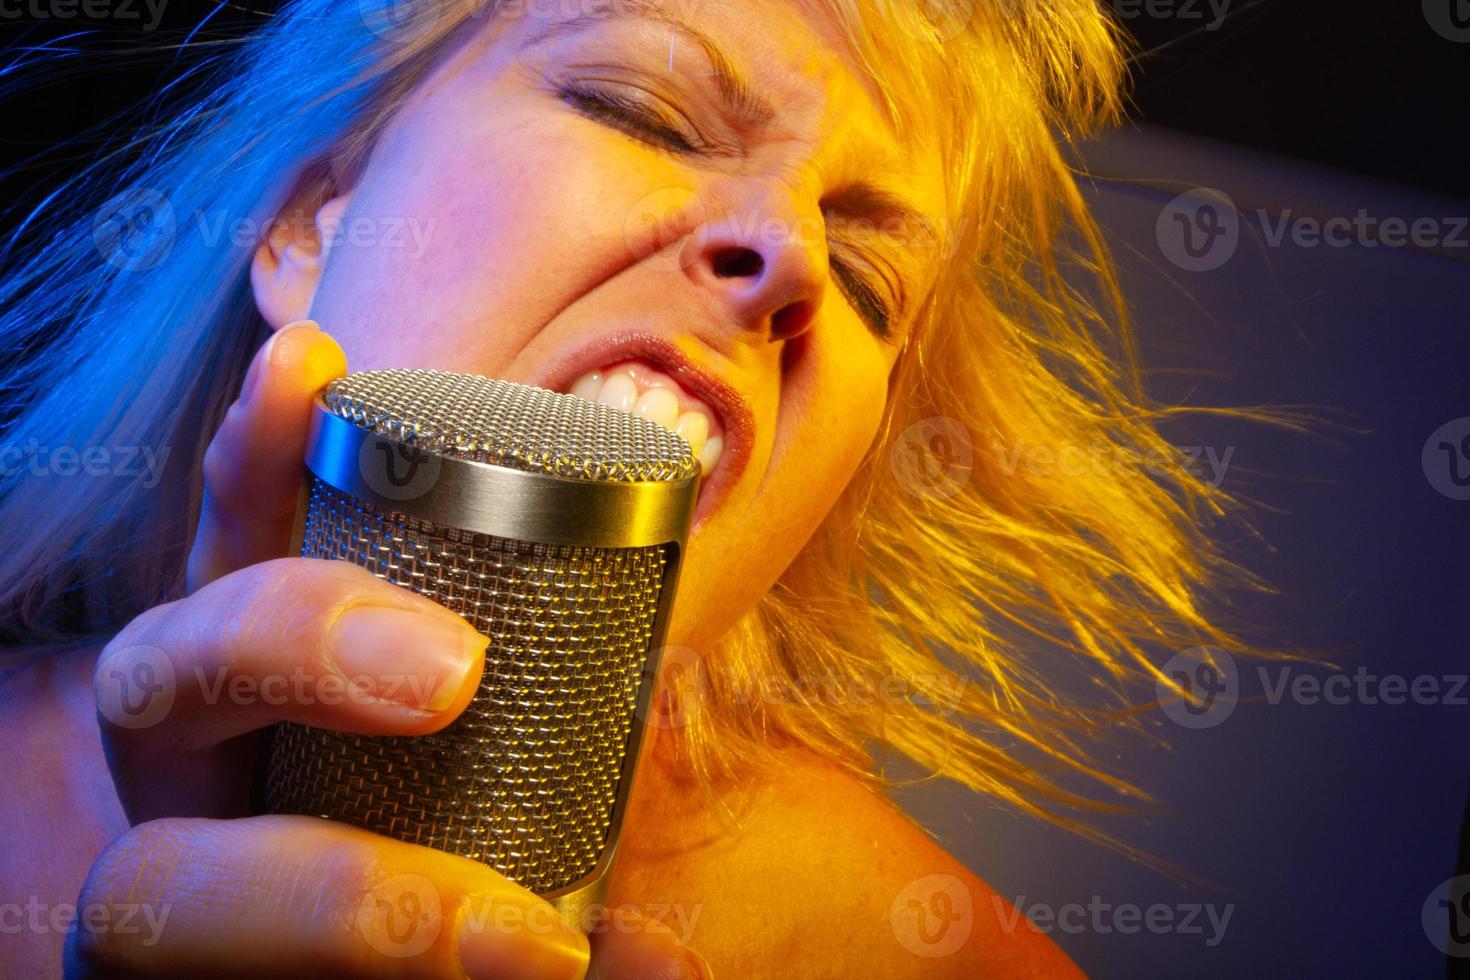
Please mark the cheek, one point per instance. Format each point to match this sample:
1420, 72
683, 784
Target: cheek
508, 211
831, 416
849, 393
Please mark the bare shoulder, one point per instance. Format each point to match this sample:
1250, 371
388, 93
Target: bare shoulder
58, 808
841, 883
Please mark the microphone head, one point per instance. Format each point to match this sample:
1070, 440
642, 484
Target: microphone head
514, 425
555, 526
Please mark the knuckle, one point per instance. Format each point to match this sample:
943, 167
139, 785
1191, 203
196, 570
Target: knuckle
307, 582
221, 463
130, 650
138, 630
287, 592
93, 953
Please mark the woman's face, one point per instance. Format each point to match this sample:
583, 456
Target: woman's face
519, 220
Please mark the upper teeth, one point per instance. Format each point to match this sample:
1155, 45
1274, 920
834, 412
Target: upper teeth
621, 388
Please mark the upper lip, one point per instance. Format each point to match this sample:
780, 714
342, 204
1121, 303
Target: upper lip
734, 412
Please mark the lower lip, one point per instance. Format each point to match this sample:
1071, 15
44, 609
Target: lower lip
704, 503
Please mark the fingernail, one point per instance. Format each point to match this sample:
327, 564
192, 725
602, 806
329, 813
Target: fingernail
696, 967
405, 657
500, 940
257, 364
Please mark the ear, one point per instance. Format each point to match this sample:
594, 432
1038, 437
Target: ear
287, 267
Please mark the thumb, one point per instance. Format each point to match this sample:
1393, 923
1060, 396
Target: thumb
252, 469
629, 946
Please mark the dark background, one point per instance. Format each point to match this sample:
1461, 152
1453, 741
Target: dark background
1324, 827
1369, 87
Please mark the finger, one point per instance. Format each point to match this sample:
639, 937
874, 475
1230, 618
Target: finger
627, 945
252, 469
300, 896
320, 642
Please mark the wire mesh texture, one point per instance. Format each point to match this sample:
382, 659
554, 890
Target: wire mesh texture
514, 425
526, 779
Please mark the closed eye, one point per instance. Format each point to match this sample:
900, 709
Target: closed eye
644, 123
864, 299
626, 114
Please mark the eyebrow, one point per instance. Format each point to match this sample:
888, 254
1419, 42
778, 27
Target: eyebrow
739, 96
865, 197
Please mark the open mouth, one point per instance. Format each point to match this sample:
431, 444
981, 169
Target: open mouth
650, 377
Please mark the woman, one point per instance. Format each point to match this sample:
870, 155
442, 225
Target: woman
832, 232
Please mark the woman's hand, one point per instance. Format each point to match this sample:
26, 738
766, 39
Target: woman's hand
183, 693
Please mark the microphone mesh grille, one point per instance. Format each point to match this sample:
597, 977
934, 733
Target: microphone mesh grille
514, 425
526, 779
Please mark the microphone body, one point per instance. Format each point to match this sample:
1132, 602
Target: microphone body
556, 527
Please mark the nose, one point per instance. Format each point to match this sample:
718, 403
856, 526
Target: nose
765, 258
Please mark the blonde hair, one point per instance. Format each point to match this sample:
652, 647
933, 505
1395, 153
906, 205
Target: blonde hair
955, 590
903, 582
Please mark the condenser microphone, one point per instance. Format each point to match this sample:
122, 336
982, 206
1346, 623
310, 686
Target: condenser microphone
554, 525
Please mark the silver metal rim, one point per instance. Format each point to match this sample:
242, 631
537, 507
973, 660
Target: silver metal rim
494, 499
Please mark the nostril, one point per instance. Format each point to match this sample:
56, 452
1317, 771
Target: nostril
730, 262
791, 320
